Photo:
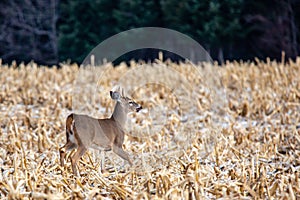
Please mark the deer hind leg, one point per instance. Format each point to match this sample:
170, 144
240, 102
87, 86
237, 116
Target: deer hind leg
63, 151
79, 153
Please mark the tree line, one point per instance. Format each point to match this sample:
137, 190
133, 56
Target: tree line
53, 31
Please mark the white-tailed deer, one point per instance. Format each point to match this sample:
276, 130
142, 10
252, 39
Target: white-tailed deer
85, 132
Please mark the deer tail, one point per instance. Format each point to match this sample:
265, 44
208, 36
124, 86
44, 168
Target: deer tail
69, 126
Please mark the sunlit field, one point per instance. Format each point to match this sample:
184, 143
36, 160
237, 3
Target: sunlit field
241, 143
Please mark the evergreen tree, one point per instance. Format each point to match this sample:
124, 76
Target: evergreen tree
215, 24
134, 14
83, 25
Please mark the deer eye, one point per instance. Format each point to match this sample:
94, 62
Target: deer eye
131, 103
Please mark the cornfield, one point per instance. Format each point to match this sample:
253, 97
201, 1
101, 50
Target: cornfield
243, 145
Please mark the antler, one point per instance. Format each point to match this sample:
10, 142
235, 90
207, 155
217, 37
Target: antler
122, 92
118, 88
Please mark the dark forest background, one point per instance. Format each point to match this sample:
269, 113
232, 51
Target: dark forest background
53, 31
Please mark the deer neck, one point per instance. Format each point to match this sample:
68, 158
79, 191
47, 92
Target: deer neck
119, 115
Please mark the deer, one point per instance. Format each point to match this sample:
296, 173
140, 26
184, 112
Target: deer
84, 132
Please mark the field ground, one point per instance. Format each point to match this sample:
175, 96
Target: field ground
239, 141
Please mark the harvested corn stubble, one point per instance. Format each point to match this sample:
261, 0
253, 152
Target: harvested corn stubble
180, 145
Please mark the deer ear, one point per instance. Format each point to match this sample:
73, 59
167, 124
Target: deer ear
115, 95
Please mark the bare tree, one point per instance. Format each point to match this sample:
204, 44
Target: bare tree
28, 30
275, 34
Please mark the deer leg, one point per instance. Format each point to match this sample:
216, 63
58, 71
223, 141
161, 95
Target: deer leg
102, 160
102, 152
120, 152
63, 151
79, 153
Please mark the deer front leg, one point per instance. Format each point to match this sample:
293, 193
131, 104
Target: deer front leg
102, 160
120, 152
79, 153
102, 153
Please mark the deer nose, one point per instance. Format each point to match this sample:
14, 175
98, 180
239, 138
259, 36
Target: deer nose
139, 108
